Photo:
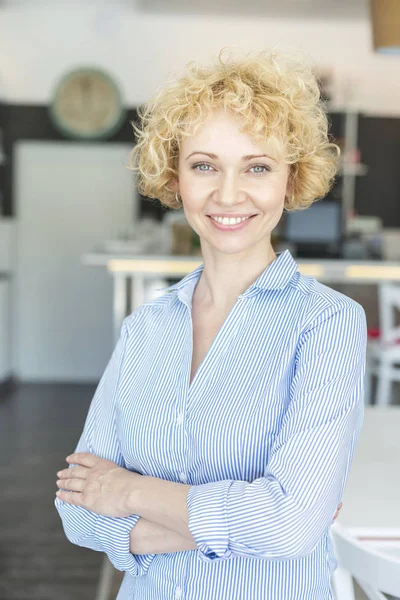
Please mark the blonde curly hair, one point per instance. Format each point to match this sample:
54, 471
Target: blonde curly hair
277, 96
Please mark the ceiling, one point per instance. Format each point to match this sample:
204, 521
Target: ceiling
351, 9
319, 9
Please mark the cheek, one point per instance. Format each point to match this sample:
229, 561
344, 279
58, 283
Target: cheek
192, 206
193, 197
192, 211
271, 198
192, 188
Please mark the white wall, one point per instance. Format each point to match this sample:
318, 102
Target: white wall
40, 41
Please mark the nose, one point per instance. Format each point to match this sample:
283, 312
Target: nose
229, 192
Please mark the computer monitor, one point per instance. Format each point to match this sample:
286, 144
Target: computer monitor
315, 231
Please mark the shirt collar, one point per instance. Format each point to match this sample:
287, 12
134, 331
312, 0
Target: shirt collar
275, 276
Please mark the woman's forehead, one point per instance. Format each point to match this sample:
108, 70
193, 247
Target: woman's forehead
218, 146
220, 129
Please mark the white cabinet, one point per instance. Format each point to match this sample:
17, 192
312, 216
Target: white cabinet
7, 264
5, 333
70, 197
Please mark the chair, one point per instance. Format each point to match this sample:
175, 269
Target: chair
375, 572
383, 349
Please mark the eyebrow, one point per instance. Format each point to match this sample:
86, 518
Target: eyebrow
244, 158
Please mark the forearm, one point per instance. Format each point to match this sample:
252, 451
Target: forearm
149, 538
163, 503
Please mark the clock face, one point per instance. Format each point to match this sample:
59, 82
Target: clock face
87, 104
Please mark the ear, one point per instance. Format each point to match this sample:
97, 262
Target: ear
290, 182
175, 184
289, 190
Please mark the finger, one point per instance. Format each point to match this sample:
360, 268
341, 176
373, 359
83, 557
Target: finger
79, 472
70, 497
72, 485
340, 505
82, 458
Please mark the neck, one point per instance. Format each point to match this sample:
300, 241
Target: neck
226, 276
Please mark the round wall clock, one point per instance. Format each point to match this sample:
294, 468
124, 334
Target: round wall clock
87, 104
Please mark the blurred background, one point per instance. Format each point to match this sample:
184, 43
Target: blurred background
80, 248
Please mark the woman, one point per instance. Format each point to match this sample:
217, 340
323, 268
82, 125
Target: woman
219, 439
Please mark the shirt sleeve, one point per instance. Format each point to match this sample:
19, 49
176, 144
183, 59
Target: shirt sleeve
81, 526
284, 514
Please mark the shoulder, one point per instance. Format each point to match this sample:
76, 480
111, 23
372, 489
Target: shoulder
307, 302
150, 314
315, 302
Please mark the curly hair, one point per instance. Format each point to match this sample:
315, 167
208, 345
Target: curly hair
276, 95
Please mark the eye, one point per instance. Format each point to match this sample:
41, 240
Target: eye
264, 169
261, 169
197, 166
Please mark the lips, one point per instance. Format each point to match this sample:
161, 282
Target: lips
230, 216
231, 227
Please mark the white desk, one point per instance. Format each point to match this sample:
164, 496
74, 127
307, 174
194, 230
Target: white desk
133, 273
371, 502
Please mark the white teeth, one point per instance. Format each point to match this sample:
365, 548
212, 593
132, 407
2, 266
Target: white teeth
229, 220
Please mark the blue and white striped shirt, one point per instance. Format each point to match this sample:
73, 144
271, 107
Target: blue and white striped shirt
264, 434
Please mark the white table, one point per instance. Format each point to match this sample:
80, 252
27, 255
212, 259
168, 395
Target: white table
132, 274
371, 502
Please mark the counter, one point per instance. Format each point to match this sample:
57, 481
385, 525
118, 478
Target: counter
137, 276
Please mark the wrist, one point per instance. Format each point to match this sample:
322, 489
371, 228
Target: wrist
162, 502
135, 494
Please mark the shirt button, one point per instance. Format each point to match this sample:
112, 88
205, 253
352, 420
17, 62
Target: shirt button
178, 593
179, 419
183, 477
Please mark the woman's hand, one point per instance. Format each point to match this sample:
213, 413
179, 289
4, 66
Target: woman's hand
98, 485
337, 511
102, 486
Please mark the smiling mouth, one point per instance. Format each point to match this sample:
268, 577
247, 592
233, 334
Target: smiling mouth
230, 220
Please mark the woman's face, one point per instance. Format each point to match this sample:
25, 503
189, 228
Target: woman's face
224, 174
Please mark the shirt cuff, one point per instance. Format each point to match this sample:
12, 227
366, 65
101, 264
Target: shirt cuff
208, 519
113, 534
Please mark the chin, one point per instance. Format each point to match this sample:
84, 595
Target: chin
231, 248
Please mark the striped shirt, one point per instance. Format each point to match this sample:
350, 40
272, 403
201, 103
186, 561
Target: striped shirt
264, 434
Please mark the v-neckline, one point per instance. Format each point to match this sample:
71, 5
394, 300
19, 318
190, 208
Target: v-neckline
210, 349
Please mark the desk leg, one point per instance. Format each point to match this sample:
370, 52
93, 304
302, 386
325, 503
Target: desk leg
137, 291
120, 298
106, 579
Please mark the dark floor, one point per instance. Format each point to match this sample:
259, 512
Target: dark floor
39, 426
